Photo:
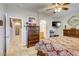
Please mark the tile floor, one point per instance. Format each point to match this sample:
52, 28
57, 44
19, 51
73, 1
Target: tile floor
25, 52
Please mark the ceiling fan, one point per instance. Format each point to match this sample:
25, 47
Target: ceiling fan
57, 7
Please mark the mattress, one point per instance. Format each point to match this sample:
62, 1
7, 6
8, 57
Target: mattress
59, 46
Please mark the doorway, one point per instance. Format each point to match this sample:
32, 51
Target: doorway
42, 29
15, 35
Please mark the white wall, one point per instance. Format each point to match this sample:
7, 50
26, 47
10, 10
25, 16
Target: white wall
48, 19
2, 13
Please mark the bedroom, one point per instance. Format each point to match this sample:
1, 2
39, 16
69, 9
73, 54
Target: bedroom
40, 17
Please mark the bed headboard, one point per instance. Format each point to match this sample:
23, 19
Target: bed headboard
71, 32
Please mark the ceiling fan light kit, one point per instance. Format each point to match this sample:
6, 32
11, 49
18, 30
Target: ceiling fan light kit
57, 9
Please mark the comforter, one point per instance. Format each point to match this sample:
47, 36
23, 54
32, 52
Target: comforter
59, 46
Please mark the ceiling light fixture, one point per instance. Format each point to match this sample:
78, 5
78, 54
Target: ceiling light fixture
57, 7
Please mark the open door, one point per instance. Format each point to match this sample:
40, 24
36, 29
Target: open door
15, 35
42, 29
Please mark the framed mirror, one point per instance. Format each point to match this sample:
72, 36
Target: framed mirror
74, 21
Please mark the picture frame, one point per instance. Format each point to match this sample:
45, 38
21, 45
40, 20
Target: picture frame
1, 22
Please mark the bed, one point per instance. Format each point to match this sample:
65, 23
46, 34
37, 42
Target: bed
59, 46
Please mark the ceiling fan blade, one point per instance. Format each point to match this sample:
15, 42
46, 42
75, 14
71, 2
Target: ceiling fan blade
53, 4
51, 7
65, 8
65, 4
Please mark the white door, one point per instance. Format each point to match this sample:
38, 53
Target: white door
42, 29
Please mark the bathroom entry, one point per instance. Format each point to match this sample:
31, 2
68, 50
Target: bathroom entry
42, 29
15, 34
17, 31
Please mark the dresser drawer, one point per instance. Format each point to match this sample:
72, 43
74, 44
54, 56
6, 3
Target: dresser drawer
71, 32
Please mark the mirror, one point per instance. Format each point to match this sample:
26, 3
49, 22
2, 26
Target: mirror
74, 21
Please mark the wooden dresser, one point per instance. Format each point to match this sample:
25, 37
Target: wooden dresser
71, 32
32, 35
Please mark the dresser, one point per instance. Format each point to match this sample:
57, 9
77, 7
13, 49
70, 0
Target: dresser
71, 32
32, 35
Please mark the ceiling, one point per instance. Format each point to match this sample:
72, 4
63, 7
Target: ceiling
29, 6
73, 7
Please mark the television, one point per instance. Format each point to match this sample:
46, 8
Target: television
56, 24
